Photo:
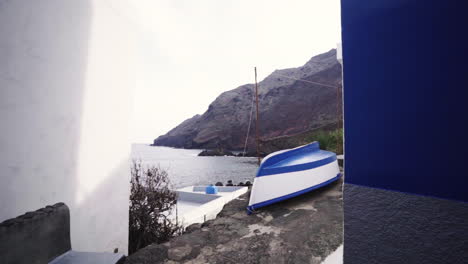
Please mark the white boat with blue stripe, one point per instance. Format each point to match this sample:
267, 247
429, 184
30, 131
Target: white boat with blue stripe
288, 173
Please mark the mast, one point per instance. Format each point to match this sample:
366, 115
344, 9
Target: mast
256, 119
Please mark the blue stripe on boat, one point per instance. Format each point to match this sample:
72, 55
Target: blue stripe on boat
251, 208
304, 158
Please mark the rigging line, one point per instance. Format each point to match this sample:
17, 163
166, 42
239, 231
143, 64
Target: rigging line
250, 122
300, 133
323, 84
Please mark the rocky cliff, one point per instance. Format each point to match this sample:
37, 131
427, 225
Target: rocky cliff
287, 106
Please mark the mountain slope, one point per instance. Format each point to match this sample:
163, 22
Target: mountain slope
287, 106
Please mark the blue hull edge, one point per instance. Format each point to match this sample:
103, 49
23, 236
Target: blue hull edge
251, 208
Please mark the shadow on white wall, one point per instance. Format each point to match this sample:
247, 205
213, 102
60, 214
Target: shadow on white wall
66, 78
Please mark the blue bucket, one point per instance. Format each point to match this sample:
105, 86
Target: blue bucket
211, 189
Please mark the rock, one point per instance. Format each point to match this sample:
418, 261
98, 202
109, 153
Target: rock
167, 244
207, 223
179, 253
219, 184
217, 152
207, 251
286, 107
153, 253
224, 221
285, 232
193, 227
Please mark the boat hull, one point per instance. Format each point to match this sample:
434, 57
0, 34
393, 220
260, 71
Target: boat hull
272, 188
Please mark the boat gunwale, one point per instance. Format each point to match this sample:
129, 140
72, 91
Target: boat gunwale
266, 171
275, 157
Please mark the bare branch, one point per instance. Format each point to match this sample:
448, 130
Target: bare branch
151, 201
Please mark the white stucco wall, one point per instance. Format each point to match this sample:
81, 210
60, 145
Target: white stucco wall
339, 53
66, 78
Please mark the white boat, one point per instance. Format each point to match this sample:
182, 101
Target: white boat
288, 173
194, 205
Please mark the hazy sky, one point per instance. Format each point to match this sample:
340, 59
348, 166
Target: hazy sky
191, 51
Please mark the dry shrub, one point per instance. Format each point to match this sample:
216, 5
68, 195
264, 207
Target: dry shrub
151, 202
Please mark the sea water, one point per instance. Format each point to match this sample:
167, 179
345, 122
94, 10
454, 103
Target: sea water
185, 168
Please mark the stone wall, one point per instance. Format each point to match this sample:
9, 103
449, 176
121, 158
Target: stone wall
36, 237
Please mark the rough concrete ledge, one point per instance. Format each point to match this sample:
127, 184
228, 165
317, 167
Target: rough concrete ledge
305, 229
385, 226
36, 237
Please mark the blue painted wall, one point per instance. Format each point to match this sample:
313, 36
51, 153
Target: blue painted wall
406, 95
